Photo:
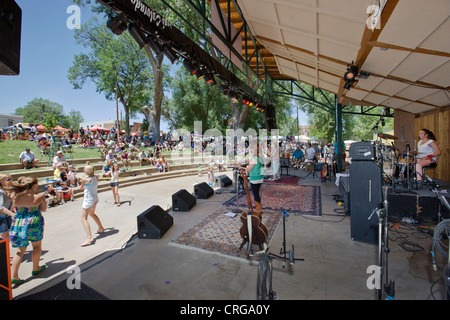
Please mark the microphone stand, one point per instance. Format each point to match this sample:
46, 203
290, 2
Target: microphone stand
407, 166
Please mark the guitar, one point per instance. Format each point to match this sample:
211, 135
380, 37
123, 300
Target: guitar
252, 228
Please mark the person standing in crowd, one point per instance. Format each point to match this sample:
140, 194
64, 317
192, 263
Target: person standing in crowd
89, 184
27, 225
427, 151
6, 215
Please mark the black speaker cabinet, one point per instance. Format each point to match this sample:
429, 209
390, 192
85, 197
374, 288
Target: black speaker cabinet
5, 271
223, 181
365, 195
183, 201
10, 35
203, 191
345, 193
154, 223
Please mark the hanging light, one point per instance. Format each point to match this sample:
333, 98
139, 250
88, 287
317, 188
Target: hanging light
117, 24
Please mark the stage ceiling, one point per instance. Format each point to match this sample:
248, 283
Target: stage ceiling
407, 55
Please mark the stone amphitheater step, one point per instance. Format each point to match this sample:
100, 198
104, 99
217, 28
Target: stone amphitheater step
132, 181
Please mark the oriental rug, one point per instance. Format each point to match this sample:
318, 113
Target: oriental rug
220, 233
284, 180
295, 199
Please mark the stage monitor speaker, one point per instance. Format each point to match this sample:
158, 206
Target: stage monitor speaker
183, 201
154, 223
203, 190
365, 196
223, 181
10, 37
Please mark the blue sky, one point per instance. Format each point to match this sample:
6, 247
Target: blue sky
47, 51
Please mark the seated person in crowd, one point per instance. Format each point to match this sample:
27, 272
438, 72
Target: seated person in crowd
133, 152
110, 157
143, 160
66, 192
64, 177
72, 175
151, 157
44, 145
297, 157
165, 164
125, 159
59, 158
159, 166
52, 196
27, 159
106, 168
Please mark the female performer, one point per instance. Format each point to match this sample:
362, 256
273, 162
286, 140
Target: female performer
27, 225
255, 171
427, 151
90, 183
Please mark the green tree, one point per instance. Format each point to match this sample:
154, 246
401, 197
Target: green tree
114, 64
194, 100
38, 109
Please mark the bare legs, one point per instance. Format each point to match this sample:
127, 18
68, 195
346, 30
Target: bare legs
419, 166
87, 228
17, 259
115, 191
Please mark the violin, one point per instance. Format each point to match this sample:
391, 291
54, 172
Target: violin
258, 230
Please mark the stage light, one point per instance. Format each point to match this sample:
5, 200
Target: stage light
190, 67
156, 47
138, 35
117, 25
352, 72
171, 55
209, 78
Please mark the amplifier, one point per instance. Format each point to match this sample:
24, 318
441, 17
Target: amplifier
362, 151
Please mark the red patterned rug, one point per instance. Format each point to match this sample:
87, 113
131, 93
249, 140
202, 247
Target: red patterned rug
220, 233
295, 199
284, 180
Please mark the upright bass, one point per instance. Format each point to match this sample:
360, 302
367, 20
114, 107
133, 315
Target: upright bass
253, 230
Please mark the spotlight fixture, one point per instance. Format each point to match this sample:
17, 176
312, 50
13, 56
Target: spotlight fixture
171, 55
209, 78
117, 24
350, 76
138, 35
156, 47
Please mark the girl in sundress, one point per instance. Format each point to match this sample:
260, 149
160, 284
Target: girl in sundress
27, 225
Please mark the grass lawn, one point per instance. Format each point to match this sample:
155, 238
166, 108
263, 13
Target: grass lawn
11, 149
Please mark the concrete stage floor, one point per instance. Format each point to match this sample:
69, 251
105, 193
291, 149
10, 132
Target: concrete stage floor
334, 266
